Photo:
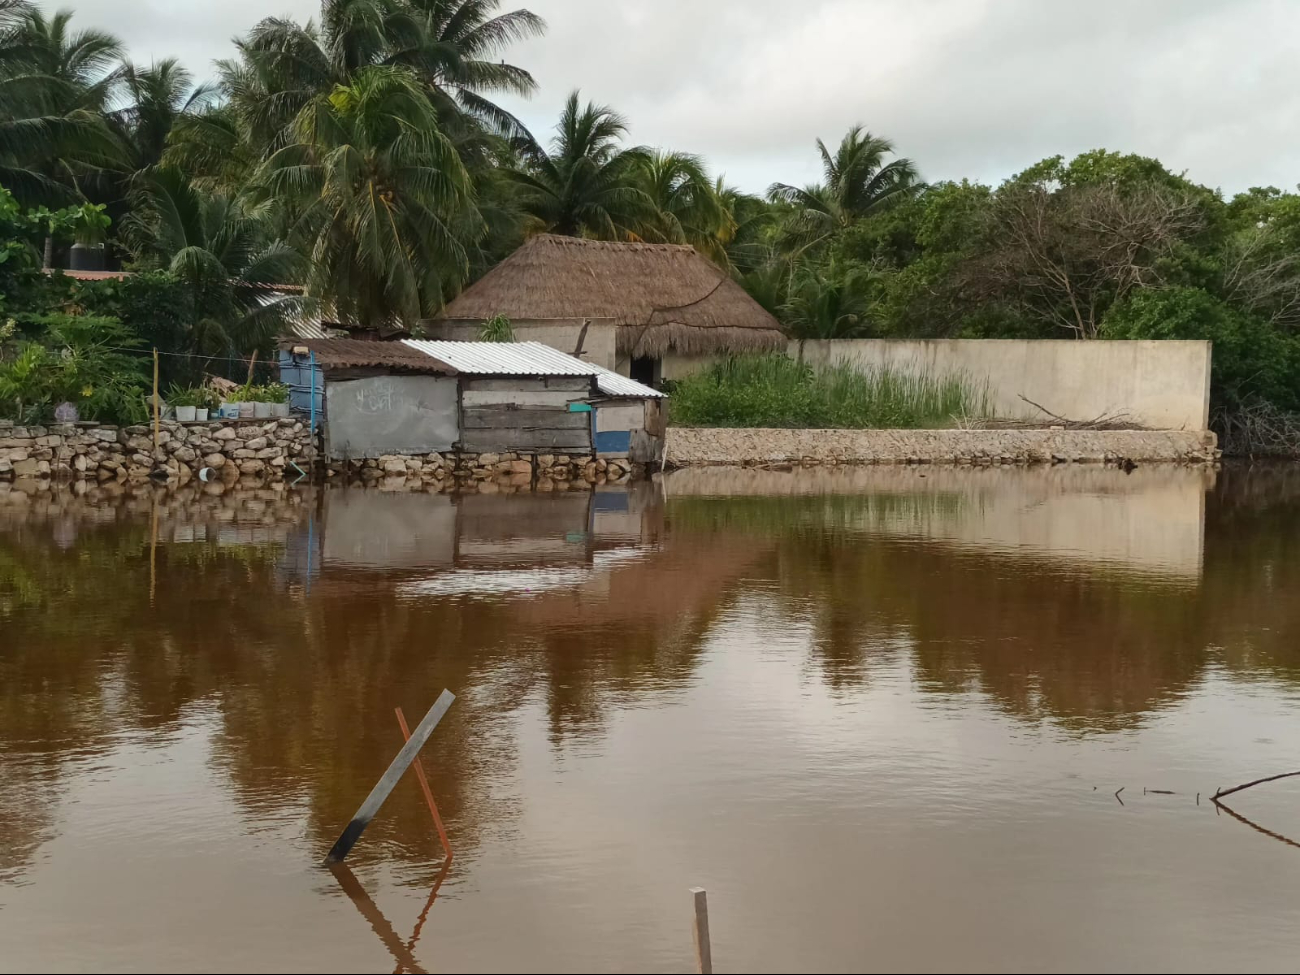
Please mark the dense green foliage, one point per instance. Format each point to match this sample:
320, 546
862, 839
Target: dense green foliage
362, 156
776, 391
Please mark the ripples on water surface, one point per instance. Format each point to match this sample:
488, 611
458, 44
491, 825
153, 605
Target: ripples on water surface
880, 714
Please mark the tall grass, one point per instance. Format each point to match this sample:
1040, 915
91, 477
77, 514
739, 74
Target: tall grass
776, 391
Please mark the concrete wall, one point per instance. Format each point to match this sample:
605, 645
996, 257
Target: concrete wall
1164, 385
390, 415
561, 334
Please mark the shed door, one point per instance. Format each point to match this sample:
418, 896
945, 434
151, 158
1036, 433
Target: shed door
390, 415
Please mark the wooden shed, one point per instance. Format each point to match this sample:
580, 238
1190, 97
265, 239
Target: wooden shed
419, 397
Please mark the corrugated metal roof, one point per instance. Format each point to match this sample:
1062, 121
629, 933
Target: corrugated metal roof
527, 359
612, 384
355, 353
503, 358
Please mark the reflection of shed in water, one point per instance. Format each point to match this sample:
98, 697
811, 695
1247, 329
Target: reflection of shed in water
483, 543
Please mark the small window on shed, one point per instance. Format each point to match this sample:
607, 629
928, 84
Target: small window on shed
646, 369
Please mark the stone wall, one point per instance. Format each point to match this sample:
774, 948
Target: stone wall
230, 448
756, 447
487, 473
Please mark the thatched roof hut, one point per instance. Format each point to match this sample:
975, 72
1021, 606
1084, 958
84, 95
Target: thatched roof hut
661, 296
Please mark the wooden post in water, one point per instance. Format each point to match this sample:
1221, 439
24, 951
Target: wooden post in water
156, 409
352, 832
424, 786
703, 949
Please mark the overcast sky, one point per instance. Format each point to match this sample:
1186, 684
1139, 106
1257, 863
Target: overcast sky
977, 88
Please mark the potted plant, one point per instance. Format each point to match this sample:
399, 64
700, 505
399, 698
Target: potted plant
185, 400
243, 396
229, 408
261, 405
277, 394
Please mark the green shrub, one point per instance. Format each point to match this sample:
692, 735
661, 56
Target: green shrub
1251, 360
496, 329
775, 391
81, 359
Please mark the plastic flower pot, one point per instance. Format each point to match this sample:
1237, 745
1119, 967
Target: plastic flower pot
262, 410
200, 414
246, 411
185, 414
280, 409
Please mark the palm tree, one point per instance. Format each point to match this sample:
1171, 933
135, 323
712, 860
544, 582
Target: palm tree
687, 206
858, 182
447, 44
157, 99
381, 202
586, 185
54, 86
827, 301
455, 50
222, 251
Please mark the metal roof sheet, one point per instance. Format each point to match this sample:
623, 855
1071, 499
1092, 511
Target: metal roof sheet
612, 384
503, 358
527, 359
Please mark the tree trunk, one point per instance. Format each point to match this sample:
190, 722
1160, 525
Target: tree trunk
48, 260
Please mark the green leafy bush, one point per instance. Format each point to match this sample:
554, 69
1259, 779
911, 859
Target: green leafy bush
775, 391
85, 360
1251, 360
497, 329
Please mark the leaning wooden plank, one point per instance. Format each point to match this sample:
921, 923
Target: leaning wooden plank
703, 946
352, 832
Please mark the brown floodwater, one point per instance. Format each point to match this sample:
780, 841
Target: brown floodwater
881, 715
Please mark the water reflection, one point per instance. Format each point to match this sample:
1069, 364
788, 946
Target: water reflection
403, 951
281, 627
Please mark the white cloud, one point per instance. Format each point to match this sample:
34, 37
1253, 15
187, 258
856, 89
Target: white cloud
976, 88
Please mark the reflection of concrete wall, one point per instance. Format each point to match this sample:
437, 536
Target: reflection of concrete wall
1164, 385
561, 334
380, 530
1150, 520
391, 415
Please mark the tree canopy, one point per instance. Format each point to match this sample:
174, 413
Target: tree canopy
366, 157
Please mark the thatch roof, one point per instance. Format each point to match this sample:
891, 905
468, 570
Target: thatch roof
661, 296
365, 354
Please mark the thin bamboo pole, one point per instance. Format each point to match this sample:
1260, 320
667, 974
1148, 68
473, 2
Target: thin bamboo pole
156, 410
428, 793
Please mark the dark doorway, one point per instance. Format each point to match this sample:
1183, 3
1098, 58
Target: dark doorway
645, 370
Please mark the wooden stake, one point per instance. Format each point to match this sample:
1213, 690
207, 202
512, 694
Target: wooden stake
703, 949
428, 793
156, 410
361, 819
